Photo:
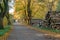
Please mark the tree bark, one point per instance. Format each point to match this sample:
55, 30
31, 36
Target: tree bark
29, 12
3, 12
7, 16
1, 18
1, 23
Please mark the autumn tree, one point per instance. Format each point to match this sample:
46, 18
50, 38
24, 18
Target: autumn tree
7, 12
58, 6
38, 9
29, 11
3, 11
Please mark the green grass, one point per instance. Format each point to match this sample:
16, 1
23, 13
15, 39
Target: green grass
49, 29
3, 31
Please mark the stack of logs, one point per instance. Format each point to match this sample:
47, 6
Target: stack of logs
55, 20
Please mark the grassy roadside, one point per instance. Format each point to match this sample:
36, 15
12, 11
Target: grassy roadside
48, 29
4, 33
6, 29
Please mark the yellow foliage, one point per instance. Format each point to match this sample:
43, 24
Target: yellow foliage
55, 5
5, 22
39, 9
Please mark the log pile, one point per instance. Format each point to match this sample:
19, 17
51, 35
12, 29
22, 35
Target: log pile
55, 20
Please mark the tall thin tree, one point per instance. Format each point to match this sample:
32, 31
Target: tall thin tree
29, 11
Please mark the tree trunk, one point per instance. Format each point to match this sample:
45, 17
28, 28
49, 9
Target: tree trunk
9, 23
7, 16
1, 23
29, 12
3, 12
